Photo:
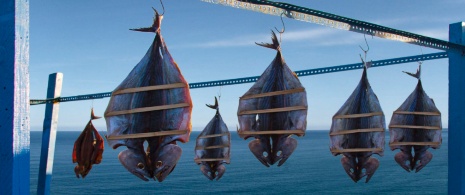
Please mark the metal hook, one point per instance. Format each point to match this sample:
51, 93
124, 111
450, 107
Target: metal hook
161, 2
368, 47
284, 27
219, 93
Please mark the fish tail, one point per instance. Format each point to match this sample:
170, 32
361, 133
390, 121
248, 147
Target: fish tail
92, 115
213, 106
417, 74
274, 45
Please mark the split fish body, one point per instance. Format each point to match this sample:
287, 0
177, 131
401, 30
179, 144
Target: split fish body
417, 101
88, 149
362, 100
219, 143
270, 149
157, 67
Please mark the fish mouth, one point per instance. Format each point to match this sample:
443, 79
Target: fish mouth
139, 175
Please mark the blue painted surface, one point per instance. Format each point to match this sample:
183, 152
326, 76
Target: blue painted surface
456, 111
14, 96
49, 133
300, 73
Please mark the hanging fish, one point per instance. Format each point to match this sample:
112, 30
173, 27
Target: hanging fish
357, 131
273, 109
88, 148
415, 125
212, 148
152, 104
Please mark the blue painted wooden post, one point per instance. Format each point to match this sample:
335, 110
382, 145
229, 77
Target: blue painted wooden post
49, 134
457, 111
14, 97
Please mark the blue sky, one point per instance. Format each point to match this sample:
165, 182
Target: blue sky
89, 42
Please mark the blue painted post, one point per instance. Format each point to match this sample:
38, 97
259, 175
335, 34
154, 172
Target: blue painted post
14, 97
49, 134
456, 111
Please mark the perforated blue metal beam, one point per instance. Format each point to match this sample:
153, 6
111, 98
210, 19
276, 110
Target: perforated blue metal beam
252, 79
335, 21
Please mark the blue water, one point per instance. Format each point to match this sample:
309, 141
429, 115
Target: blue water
310, 170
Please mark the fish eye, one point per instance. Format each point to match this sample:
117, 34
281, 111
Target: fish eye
159, 164
140, 166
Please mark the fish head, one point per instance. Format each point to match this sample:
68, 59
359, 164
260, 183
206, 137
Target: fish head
165, 160
220, 169
284, 148
359, 167
135, 162
261, 149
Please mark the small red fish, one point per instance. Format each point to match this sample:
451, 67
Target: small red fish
88, 149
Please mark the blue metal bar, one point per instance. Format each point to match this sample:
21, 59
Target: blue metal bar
49, 134
14, 96
335, 21
456, 111
252, 79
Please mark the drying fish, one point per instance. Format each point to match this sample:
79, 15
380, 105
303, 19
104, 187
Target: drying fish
88, 149
416, 125
212, 149
273, 109
152, 104
357, 131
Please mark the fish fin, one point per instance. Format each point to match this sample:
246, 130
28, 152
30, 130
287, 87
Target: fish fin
274, 45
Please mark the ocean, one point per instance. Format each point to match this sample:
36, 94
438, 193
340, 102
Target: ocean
311, 169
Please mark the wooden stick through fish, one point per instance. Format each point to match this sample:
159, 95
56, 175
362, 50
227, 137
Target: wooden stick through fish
357, 150
211, 147
419, 113
149, 88
415, 127
414, 144
274, 93
358, 115
343, 132
144, 135
285, 109
209, 159
214, 135
273, 132
147, 109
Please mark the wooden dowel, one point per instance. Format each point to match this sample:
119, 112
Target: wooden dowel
144, 135
213, 135
358, 115
357, 150
415, 127
285, 109
343, 132
210, 159
147, 109
149, 88
211, 147
414, 144
419, 113
274, 93
274, 132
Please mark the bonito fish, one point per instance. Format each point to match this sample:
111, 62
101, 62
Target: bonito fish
280, 116
415, 125
88, 148
212, 149
357, 132
154, 97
